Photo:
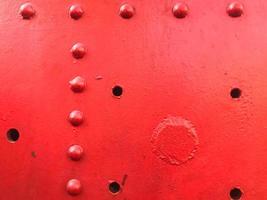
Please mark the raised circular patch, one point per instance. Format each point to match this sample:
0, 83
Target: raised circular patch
175, 140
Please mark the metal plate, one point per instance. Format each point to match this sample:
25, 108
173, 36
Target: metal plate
175, 130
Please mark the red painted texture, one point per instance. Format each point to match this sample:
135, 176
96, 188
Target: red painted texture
183, 68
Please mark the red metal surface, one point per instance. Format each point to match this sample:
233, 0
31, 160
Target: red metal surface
154, 100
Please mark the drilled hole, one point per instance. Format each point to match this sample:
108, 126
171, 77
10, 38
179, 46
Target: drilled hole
114, 187
117, 91
235, 93
12, 135
236, 194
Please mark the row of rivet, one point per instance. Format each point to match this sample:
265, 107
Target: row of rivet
75, 152
180, 10
74, 186
76, 118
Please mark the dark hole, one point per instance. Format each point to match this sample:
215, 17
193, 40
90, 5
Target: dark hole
114, 187
117, 91
235, 193
12, 135
236, 93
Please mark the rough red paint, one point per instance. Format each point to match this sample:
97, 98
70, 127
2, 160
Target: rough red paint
166, 66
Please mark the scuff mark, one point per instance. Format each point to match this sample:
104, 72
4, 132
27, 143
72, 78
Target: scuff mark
33, 153
124, 179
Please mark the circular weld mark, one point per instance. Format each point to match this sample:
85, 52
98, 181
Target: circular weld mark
175, 140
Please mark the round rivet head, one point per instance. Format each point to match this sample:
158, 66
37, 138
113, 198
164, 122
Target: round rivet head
127, 11
78, 51
76, 118
76, 12
235, 9
74, 187
75, 152
27, 11
180, 10
77, 84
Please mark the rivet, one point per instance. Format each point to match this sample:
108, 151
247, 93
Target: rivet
27, 11
77, 84
235, 9
76, 118
78, 51
127, 11
75, 152
76, 12
180, 10
74, 187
